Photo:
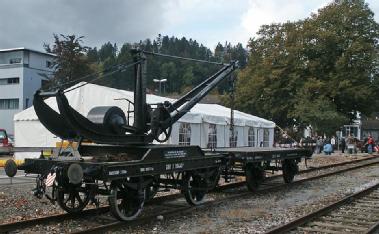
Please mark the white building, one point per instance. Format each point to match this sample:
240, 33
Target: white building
206, 125
22, 72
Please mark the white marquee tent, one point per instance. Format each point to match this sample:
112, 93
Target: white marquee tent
204, 123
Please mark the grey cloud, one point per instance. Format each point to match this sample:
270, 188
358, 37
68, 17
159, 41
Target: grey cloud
30, 23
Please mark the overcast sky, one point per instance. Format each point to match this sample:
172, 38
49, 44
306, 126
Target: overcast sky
30, 23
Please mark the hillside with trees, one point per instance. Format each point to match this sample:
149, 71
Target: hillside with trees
181, 75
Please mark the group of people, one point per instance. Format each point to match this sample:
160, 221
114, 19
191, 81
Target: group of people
349, 144
326, 145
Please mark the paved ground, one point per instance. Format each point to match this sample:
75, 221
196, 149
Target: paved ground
20, 178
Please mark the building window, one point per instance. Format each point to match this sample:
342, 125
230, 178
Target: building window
251, 137
185, 134
7, 81
233, 138
14, 60
266, 138
8, 104
212, 136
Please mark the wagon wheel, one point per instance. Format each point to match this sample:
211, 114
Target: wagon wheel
126, 203
289, 169
214, 178
254, 177
194, 188
72, 198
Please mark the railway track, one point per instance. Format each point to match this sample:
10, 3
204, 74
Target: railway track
186, 209
169, 210
357, 213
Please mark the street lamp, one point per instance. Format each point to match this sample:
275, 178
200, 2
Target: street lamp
160, 81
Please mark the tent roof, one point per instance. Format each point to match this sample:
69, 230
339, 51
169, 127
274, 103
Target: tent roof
83, 99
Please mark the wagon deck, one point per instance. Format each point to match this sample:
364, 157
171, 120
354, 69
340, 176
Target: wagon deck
257, 154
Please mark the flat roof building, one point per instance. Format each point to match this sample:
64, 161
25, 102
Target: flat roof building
22, 73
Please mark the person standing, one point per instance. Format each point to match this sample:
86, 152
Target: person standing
343, 145
370, 144
350, 144
319, 145
322, 144
333, 143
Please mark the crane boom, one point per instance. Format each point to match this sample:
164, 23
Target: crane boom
108, 124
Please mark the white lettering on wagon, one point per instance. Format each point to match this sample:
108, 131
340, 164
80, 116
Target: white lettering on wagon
117, 172
146, 169
173, 166
175, 154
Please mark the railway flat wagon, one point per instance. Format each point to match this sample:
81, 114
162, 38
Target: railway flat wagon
123, 164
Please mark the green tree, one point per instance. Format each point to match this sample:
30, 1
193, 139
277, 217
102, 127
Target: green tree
107, 51
268, 85
189, 77
318, 71
169, 72
71, 61
92, 55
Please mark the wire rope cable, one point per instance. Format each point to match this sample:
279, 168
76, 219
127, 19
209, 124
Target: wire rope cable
121, 68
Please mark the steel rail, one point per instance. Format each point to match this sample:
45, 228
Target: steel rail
326, 210
374, 228
7, 227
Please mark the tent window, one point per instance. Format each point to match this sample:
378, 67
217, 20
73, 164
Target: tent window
251, 137
212, 136
233, 139
185, 134
266, 138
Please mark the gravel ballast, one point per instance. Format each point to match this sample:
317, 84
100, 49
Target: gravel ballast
260, 213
